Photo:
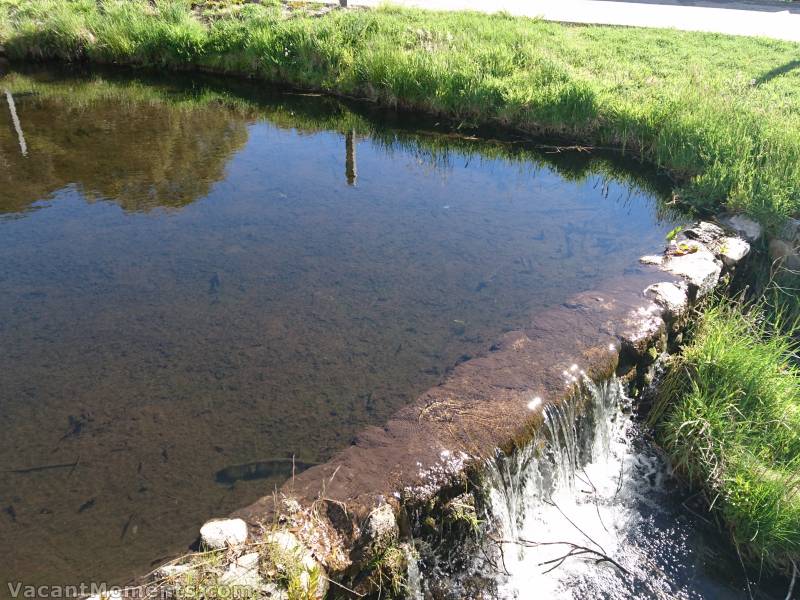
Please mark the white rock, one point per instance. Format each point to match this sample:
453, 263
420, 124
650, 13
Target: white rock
672, 297
169, 571
287, 543
221, 533
700, 268
744, 226
381, 524
243, 572
652, 259
642, 328
732, 250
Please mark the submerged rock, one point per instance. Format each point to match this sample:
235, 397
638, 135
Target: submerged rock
265, 469
221, 533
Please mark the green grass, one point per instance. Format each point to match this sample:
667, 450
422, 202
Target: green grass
730, 420
721, 113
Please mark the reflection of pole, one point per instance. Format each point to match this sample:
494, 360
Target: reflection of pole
350, 157
15, 119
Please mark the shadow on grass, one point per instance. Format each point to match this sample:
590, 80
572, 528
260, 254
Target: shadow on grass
778, 71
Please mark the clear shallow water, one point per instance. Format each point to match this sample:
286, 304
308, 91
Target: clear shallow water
194, 279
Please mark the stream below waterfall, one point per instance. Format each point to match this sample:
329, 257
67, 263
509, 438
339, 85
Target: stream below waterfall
590, 509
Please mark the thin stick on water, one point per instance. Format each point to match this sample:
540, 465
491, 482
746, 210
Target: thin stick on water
744, 570
344, 587
574, 550
595, 498
571, 522
619, 481
17, 125
794, 580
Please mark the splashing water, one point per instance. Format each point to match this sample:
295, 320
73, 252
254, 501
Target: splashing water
589, 510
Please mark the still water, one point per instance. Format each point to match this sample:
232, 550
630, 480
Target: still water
196, 278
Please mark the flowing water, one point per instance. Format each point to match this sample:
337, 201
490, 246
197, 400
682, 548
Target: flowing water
591, 510
203, 289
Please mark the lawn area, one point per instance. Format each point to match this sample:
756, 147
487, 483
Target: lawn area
730, 420
722, 114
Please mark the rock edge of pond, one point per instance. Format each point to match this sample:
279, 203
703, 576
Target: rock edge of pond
347, 523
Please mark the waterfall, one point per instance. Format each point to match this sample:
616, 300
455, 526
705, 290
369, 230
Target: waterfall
583, 510
587, 510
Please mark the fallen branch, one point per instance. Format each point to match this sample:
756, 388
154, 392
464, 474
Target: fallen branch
575, 550
571, 522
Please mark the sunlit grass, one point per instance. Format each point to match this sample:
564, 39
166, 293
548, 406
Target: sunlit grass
721, 113
730, 420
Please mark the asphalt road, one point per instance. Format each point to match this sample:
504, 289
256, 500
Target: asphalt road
779, 20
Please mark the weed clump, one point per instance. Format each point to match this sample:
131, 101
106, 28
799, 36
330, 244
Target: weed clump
729, 417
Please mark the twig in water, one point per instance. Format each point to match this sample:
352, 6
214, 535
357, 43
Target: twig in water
619, 481
575, 550
689, 509
344, 587
44, 468
794, 580
744, 570
571, 522
596, 501
75, 466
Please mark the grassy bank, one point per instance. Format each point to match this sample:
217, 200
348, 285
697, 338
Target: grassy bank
721, 113
730, 420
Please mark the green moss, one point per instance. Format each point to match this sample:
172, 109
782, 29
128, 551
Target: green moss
721, 113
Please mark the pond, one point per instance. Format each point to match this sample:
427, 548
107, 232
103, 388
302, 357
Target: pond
204, 288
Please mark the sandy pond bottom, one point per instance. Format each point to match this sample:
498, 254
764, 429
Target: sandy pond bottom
193, 279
